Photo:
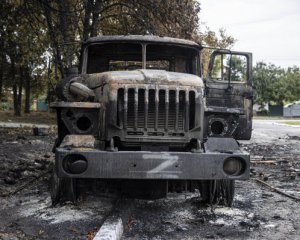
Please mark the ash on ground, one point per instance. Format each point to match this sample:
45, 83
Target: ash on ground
257, 212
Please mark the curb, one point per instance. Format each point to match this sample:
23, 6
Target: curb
114, 226
112, 229
286, 125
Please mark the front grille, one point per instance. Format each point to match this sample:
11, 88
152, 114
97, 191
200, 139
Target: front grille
156, 110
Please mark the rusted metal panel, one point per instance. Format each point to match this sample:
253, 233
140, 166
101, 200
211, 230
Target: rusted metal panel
143, 39
79, 141
164, 117
82, 91
151, 123
125, 107
142, 76
225, 145
230, 103
149, 108
151, 165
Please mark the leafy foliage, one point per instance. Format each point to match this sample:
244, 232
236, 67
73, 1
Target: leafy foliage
40, 38
275, 84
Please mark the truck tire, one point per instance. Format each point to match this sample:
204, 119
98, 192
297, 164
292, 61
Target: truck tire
55, 188
220, 192
244, 131
62, 189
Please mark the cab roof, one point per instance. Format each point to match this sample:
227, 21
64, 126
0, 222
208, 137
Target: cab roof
142, 39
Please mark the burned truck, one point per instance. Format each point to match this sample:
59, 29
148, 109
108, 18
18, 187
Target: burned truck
140, 115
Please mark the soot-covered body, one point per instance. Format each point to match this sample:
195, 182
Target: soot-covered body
140, 115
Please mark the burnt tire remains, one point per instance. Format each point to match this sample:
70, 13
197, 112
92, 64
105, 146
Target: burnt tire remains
62, 189
219, 192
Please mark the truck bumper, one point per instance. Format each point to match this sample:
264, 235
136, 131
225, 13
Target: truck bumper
94, 163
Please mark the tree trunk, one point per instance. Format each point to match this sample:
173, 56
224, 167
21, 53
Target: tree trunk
54, 43
27, 91
95, 18
19, 94
15, 88
15, 93
87, 17
64, 7
1, 79
1, 68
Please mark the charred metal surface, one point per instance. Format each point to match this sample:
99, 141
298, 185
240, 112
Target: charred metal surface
81, 120
230, 103
83, 141
151, 165
142, 111
224, 145
142, 39
75, 105
81, 91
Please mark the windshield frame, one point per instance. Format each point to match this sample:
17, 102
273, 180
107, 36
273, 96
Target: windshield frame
197, 70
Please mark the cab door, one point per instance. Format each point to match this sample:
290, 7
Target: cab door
229, 94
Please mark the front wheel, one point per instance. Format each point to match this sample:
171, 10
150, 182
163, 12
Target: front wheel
62, 189
220, 192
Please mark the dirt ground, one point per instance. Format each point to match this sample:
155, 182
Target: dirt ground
257, 212
32, 117
26, 211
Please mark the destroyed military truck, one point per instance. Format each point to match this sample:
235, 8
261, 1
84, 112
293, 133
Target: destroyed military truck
140, 115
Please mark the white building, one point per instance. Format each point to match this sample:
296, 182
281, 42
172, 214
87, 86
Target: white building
292, 110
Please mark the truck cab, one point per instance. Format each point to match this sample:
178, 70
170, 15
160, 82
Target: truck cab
140, 115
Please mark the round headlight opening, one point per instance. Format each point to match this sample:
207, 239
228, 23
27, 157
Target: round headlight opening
83, 123
217, 127
75, 163
234, 166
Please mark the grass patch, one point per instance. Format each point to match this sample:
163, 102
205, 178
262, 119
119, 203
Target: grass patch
295, 123
275, 118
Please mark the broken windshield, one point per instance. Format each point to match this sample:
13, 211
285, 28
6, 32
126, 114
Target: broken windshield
129, 56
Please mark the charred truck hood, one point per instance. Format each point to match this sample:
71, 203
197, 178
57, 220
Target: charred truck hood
142, 76
143, 106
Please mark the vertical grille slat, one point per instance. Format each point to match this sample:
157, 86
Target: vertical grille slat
151, 109
131, 108
156, 109
176, 110
167, 110
187, 110
141, 108
181, 116
192, 101
146, 108
120, 107
135, 108
172, 106
161, 110
125, 107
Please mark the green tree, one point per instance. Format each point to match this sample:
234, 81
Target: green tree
276, 85
23, 47
291, 82
40, 38
211, 39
